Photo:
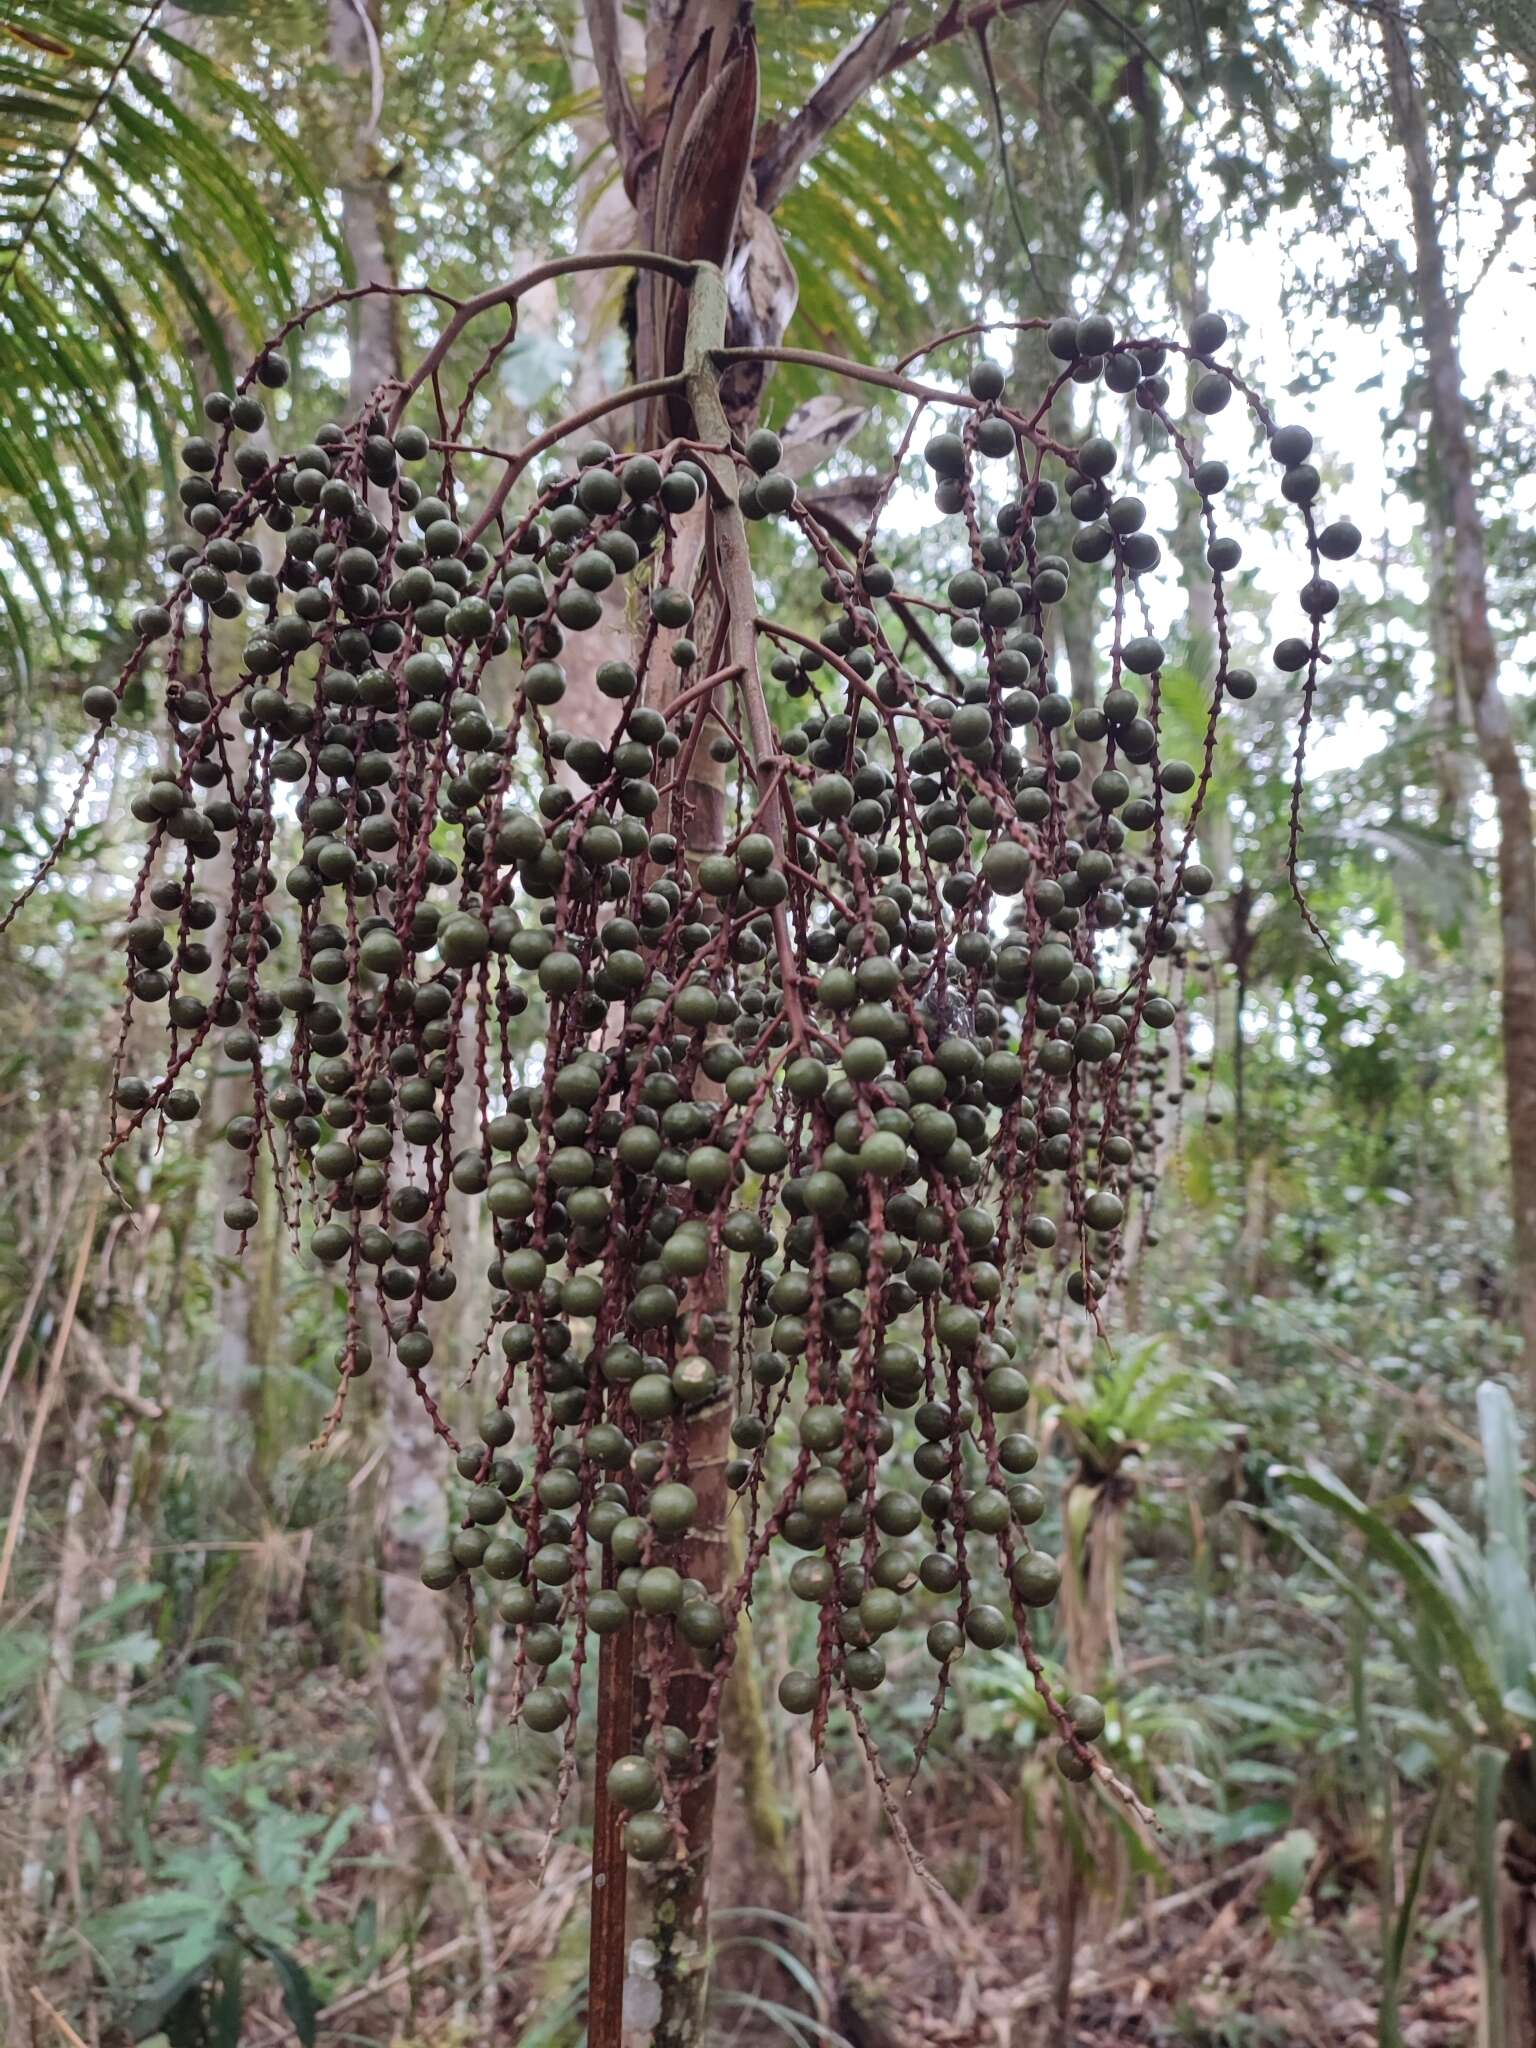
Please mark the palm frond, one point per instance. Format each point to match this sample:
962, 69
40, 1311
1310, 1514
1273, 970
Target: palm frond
137, 249
1446, 1590
879, 225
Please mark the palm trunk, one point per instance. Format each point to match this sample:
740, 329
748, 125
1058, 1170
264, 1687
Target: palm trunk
666, 1977
701, 181
1476, 662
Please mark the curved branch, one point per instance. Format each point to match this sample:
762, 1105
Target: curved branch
653, 387
1037, 322
909, 387
843, 366
508, 295
956, 21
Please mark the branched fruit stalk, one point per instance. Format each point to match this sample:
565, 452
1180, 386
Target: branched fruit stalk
787, 1124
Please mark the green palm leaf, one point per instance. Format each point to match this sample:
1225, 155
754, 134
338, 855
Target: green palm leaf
1434, 1581
135, 244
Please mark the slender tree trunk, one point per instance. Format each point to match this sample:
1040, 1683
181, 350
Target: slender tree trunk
367, 218
50, 1793
681, 109
1449, 713
667, 1968
1476, 662
124, 1450
1079, 623
232, 1361
751, 1843
222, 1178
223, 1171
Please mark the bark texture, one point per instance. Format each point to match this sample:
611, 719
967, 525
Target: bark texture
1475, 659
367, 217
685, 154
700, 178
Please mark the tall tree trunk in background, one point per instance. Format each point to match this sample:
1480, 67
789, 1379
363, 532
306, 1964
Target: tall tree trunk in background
1476, 662
233, 1394
234, 1370
51, 1792
367, 217
414, 1646
606, 221
1449, 714
125, 1448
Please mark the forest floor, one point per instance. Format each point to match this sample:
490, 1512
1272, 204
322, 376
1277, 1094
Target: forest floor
1206, 1971
852, 1949
1203, 1968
